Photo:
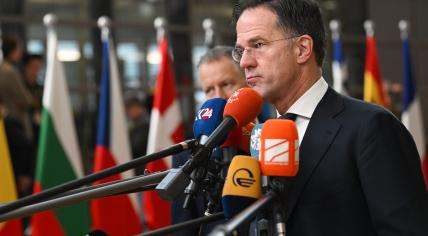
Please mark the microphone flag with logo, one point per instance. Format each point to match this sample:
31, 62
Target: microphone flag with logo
279, 146
209, 116
242, 186
255, 141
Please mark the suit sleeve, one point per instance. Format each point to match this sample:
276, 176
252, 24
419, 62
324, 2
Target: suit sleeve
391, 177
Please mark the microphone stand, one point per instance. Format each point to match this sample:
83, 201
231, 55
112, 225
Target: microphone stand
93, 192
244, 216
185, 225
48, 193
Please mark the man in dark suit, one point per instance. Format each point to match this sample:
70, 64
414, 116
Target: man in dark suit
359, 167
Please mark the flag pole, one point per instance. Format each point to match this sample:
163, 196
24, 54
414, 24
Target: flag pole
369, 28
339, 69
160, 25
335, 28
104, 23
208, 25
404, 27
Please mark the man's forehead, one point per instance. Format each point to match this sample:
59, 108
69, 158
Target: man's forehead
256, 24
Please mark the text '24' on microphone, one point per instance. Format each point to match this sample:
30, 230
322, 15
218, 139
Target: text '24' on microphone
241, 108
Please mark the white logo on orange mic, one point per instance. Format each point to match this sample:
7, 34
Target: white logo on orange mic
234, 97
276, 151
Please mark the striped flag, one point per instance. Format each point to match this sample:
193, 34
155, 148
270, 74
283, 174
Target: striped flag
7, 185
373, 85
412, 113
166, 129
58, 157
339, 68
115, 215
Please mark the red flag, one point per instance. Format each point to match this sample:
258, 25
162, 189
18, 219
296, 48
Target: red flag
373, 84
166, 129
115, 215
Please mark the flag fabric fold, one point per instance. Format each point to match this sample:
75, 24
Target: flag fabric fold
117, 215
373, 84
412, 113
7, 182
58, 157
338, 67
166, 129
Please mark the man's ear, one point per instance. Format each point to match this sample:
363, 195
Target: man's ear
304, 48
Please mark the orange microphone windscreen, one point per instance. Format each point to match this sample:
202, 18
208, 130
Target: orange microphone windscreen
243, 106
279, 148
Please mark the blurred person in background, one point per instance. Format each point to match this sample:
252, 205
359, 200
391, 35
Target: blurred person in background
16, 98
138, 122
21, 150
219, 76
32, 67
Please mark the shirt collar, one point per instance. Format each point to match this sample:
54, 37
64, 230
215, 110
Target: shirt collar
306, 104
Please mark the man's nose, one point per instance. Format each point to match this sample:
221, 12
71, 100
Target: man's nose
247, 60
219, 93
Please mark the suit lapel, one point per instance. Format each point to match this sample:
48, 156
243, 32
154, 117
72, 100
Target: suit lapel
321, 131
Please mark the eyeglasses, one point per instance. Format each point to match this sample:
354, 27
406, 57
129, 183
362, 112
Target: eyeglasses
255, 49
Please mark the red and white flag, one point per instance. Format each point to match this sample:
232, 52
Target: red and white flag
166, 129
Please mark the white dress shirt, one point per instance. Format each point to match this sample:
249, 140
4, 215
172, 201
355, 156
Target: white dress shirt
305, 106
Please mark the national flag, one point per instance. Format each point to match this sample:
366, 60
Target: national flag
58, 156
373, 85
338, 66
115, 215
412, 113
7, 185
166, 129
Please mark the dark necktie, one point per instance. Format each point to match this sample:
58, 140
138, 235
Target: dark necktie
288, 116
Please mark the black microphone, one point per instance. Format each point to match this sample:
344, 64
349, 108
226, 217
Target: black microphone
207, 119
241, 108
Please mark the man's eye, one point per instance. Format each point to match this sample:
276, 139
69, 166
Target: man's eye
259, 45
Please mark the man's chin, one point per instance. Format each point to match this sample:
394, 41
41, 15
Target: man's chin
260, 91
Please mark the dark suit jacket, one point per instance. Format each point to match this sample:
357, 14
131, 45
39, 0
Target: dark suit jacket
359, 174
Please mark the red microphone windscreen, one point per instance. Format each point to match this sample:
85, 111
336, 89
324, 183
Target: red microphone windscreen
240, 137
243, 106
279, 148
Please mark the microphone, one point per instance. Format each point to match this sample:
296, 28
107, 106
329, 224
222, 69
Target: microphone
207, 119
279, 157
209, 116
279, 146
237, 142
241, 108
242, 186
255, 141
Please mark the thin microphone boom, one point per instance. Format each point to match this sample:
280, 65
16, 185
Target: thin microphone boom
245, 215
97, 192
185, 225
48, 193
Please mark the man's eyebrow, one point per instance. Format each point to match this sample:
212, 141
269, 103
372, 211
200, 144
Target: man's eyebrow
252, 40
